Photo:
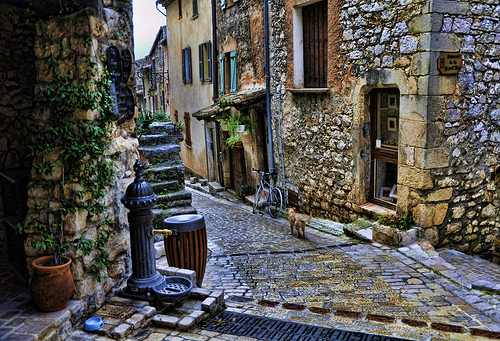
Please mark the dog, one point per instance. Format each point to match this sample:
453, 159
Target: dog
297, 221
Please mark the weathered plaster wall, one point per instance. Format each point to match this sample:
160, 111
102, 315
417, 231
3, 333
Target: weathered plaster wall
448, 130
182, 32
241, 27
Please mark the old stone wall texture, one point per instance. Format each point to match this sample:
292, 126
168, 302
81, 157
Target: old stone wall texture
75, 41
449, 146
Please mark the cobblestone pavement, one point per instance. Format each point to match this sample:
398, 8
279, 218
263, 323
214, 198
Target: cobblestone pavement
337, 282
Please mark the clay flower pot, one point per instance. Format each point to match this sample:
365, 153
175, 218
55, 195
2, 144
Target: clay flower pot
51, 286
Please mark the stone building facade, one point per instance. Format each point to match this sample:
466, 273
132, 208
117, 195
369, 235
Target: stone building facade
65, 41
404, 115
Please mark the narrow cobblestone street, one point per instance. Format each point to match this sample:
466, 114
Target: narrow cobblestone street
337, 282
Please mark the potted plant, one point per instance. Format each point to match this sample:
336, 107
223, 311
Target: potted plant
246, 189
52, 284
394, 230
237, 125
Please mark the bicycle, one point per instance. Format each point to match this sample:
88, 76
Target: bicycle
272, 196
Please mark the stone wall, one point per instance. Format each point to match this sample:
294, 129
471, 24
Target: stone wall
448, 142
74, 40
17, 71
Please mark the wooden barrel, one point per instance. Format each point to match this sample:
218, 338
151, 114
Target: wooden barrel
187, 247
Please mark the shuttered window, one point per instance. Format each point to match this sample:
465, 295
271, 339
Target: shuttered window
315, 44
187, 72
205, 61
195, 8
232, 71
187, 128
222, 75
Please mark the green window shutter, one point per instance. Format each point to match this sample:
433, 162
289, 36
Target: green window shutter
232, 72
200, 55
223, 4
209, 60
221, 67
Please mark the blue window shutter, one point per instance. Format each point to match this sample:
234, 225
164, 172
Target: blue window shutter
223, 4
190, 68
209, 60
232, 73
200, 56
183, 65
221, 67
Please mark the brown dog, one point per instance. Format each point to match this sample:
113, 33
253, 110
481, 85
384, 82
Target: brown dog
297, 221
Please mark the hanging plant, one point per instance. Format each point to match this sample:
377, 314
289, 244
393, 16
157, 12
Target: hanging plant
233, 124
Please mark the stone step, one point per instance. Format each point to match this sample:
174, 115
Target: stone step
165, 173
158, 139
169, 185
160, 214
163, 127
175, 199
163, 153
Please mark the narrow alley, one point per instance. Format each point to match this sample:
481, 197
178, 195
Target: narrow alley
338, 282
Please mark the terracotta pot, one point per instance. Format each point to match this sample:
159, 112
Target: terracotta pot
51, 286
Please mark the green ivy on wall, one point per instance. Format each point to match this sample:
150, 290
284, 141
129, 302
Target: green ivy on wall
75, 148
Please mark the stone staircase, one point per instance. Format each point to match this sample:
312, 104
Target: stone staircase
166, 172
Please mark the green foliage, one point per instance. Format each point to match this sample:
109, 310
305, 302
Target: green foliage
101, 254
144, 119
78, 148
233, 140
404, 223
232, 122
247, 189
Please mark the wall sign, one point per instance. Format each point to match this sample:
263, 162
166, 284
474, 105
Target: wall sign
449, 63
120, 66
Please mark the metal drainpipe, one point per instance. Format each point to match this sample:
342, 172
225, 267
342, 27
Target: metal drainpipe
215, 82
268, 87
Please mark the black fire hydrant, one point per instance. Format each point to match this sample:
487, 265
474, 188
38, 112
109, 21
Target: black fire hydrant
145, 282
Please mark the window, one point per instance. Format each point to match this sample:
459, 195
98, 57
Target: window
179, 4
310, 45
205, 61
195, 8
176, 116
228, 72
187, 127
187, 74
315, 44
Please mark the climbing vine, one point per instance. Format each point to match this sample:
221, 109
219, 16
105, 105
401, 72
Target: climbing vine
69, 149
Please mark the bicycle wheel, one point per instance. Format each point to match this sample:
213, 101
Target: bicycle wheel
275, 202
257, 198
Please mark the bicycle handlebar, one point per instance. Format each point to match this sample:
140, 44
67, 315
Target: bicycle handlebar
265, 173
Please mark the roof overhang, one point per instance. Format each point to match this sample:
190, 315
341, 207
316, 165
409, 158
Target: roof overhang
240, 100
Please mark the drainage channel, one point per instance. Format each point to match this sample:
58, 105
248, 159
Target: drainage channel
270, 329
